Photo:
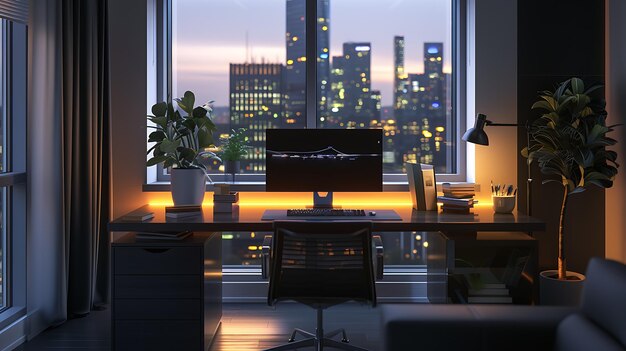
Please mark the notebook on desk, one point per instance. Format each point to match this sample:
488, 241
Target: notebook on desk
378, 215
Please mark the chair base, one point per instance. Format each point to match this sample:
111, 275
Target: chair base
319, 340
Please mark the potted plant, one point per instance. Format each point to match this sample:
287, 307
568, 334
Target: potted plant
569, 144
181, 142
233, 149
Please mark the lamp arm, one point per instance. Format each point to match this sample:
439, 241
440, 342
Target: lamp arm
490, 123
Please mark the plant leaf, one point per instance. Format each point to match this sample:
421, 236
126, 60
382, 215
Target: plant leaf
156, 160
159, 109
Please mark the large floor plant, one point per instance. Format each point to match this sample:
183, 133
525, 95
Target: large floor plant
569, 144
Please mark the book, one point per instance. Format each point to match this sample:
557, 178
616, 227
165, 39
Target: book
456, 201
163, 235
182, 214
223, 207
458, 186
489, 299
139, 215
422, 186
456, 210
182, 209
232, 197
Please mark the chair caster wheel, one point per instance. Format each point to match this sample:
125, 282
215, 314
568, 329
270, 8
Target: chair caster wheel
345, 340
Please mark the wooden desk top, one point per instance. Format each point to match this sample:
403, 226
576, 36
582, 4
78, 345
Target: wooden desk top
248, 218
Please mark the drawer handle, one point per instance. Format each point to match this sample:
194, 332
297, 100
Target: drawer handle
156, 250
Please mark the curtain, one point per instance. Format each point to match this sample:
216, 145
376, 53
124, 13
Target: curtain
69, 119
85, 152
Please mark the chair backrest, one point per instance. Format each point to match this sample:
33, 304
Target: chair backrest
322, 263
604, 296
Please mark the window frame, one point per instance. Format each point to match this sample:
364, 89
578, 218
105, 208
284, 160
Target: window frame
161, 49
14, 175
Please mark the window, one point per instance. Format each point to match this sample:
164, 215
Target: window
391, 65
386, 65
13, 44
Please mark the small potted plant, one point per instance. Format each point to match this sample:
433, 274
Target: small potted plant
233, 149
569, 144
182, 142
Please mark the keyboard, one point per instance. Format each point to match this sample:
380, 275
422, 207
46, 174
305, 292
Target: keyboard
324, 212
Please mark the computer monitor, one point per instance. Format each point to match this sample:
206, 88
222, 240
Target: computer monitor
324, 160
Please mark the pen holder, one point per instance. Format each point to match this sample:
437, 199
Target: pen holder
503, 203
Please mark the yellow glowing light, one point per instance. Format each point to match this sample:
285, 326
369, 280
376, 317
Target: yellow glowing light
290, 62
252, 248
324, 28
425, 244
303, 59
427, 134
440, 129
325, 50
294, 38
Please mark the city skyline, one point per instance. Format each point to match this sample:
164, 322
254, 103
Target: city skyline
202, 56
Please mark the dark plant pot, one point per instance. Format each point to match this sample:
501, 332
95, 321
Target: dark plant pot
232, 167
553, 291
188, 186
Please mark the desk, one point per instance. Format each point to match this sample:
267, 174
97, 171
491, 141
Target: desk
248, 218
441, 250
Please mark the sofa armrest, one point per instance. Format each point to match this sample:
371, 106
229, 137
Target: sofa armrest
471, 327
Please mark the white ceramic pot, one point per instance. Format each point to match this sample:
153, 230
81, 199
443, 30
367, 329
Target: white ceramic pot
188, 186
553, 291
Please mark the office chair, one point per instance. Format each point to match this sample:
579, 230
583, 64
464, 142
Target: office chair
321, 264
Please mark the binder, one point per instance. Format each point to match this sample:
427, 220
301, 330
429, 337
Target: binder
422, 186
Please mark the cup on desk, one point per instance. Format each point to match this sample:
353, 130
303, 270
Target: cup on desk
503, 203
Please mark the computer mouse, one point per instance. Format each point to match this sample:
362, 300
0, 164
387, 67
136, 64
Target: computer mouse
372, 213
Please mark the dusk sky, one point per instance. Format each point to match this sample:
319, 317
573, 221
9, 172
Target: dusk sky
211, 34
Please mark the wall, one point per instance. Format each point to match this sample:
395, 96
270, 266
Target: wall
128, 38
558, 39
492, 76
616, 106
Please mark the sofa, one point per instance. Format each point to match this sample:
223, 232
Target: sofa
599, 323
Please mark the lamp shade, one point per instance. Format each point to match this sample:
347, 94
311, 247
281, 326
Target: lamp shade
477, 135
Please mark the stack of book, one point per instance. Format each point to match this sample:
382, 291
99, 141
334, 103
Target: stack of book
458, 191
477, 285
162, 235
139, 215
224, 200
177, 212
457, 198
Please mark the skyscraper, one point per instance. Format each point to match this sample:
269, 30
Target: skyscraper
256, 103
295, 68
352, 86
323, 57
295, 74
399, 79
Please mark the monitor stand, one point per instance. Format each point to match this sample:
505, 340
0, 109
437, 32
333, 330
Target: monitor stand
320, 201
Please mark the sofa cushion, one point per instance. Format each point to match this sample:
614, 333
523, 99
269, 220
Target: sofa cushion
429, 327
577, 333
510, 327
604, 297
471, 327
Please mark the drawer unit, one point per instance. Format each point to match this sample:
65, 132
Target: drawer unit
166, 295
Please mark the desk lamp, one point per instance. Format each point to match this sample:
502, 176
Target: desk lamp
477, 135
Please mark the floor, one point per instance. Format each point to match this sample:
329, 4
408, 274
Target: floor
248, 327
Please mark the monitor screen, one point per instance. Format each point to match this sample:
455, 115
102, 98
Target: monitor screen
324, 160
